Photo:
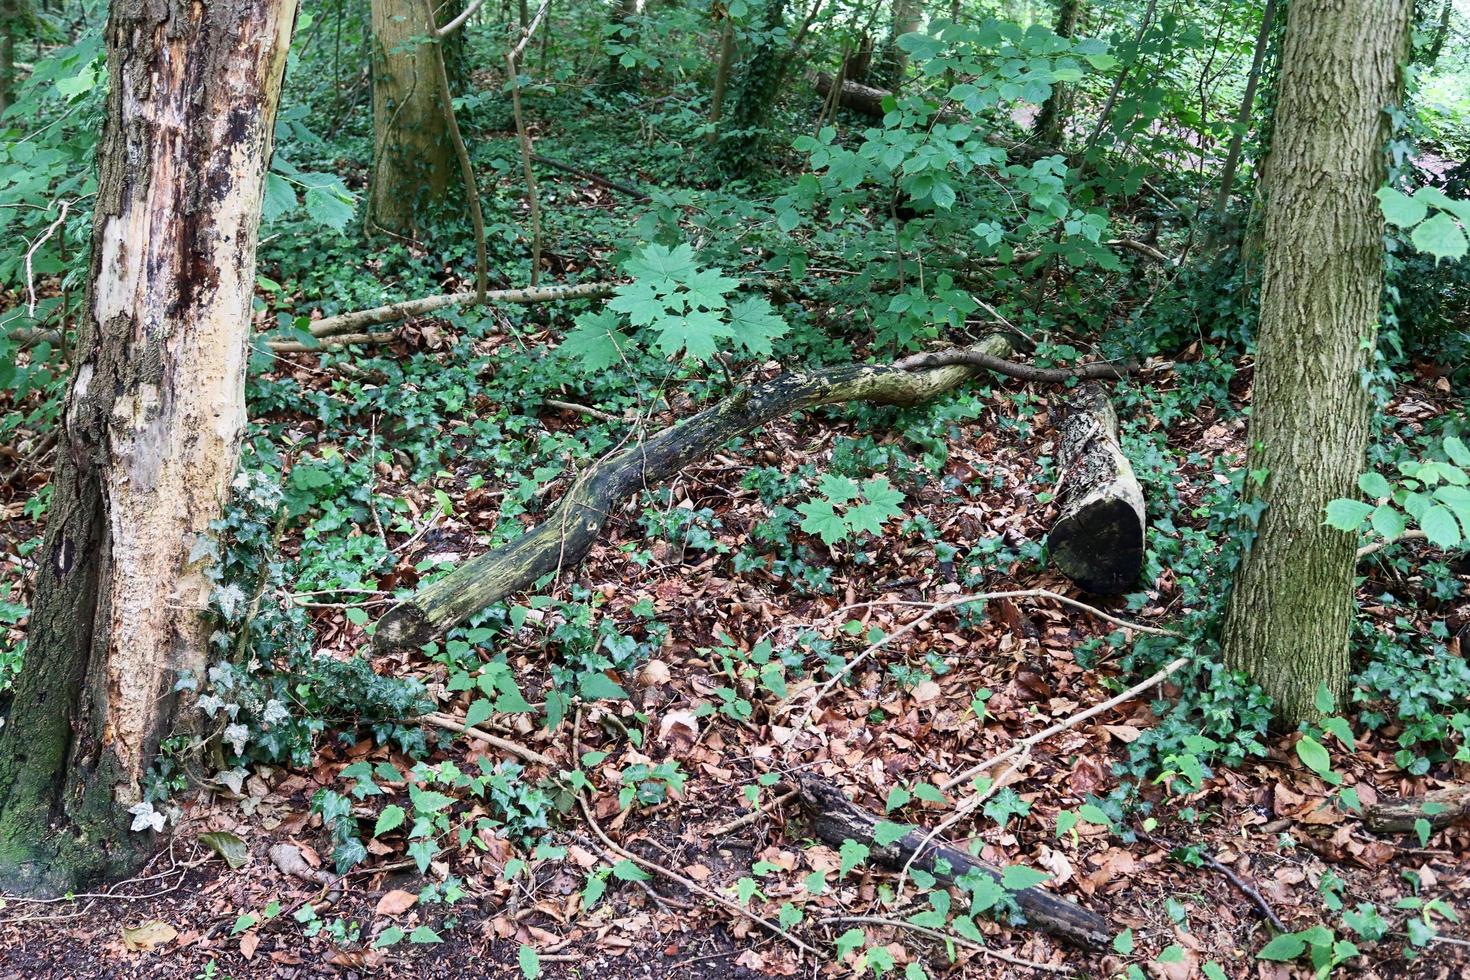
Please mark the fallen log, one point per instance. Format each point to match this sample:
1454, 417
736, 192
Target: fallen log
1441, 807
1014, 369
596, 178
569, 532
1097, 541
835, 819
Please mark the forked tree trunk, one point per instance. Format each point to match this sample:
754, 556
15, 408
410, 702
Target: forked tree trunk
152, 423
413, 156
1291, 611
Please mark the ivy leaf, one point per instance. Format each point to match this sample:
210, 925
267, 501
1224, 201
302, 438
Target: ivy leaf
1440, 237
1399, 208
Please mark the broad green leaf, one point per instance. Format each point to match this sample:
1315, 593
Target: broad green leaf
887, 832
479, 710
1347, 515
595, 343
1388, 521
529, 961
1441, 237
424, 936
227, 846
1374, 485
1123, 943
1313, 755
1440, 527
1284, 948
626, 870
852, 854
279, 197
1399, 208
1017, 876
597, 686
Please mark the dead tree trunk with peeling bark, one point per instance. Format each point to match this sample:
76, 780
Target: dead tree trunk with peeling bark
152, 423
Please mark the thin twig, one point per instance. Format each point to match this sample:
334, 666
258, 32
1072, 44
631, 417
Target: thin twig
459, 21
1377, 546
454, 724
466, 168
746, 819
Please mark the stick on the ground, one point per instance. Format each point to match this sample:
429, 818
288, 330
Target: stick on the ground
1377, 546
1026, 744
354, 322
454, 724
836, 819
596, 178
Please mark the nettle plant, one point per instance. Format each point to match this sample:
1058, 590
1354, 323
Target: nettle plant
674, 308
1428, 495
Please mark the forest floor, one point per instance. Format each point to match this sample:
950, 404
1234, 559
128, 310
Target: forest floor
1269, 822
1269, 825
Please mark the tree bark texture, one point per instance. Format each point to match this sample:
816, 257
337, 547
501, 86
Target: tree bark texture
569, 532
894, 63
152, 421
835, 819
412, 152
1097, 540
1291, 610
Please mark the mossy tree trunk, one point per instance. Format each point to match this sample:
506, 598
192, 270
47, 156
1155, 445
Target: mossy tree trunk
1056, 111
1291, 610
153, 415
413, 156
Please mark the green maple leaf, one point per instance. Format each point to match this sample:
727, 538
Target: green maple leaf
883, 495
698, 333
821, 519
640, 302
755, 324
708, 288
595, 343
660, 264
838, 489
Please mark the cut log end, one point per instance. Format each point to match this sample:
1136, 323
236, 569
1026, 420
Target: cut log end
405, 625
1097, 540
1100, 545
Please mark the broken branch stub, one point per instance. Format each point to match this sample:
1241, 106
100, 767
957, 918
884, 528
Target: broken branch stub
1097, 542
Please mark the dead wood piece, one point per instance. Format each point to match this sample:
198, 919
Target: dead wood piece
568, 534
355, 322
336, 340
1441, 807
288, 860
1097, 541
596, 178
835, 819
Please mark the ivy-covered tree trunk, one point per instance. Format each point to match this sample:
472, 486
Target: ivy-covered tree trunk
152, 421
1291, 610
1056, 111
756, 90
623, 30
413, 156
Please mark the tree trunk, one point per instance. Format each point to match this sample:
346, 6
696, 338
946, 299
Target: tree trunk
1441, 32
412, 152
1051, 121
722, 76
1243, 117
151, 432
624, 27
10, 24
758, 87
1289, 616
895, 61
1097, 541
